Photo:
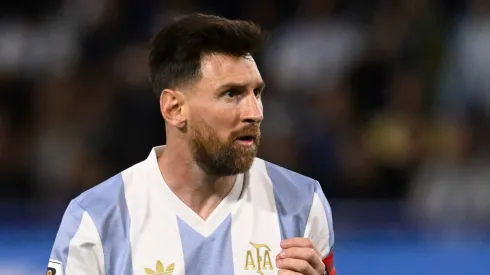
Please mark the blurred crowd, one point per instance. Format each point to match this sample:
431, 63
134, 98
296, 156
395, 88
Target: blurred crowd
378, 100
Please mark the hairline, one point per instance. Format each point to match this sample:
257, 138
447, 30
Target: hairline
187, 83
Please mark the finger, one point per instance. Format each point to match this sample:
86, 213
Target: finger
301, 266
287, 272
302, 253
298, 242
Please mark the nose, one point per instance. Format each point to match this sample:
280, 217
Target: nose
253, 111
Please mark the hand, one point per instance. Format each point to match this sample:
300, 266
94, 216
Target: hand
299, 256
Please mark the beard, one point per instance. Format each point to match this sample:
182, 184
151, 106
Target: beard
223, 158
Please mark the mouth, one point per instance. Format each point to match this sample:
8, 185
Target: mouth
246, 139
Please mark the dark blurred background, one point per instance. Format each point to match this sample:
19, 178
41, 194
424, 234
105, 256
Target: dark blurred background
386, 103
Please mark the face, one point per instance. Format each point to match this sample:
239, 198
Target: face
224, 114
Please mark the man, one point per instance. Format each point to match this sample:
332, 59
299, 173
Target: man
203, 203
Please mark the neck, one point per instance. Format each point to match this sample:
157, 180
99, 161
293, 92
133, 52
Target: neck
199, 191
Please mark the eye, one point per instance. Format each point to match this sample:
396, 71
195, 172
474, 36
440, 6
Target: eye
258, 92
232, 93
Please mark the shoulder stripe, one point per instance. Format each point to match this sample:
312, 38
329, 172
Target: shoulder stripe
293, 194
106, 205
68, 228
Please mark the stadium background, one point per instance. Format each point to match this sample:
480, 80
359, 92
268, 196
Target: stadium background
385, 102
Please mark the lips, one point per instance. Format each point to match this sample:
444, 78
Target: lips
248, 135
248, 138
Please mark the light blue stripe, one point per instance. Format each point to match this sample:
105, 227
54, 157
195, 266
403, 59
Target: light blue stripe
68, 228
328, 213
207, 256
106, 205
294, 196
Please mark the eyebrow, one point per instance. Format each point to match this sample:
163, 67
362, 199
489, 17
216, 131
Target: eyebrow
240, 86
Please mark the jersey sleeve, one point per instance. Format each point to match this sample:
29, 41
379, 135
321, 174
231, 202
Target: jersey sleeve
77, 249
319, 228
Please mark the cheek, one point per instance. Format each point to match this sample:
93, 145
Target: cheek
221, 128
219, 120
222, 118
211, 125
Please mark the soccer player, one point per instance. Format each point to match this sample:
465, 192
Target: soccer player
203, 203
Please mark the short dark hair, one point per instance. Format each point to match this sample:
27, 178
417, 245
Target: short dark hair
176, 51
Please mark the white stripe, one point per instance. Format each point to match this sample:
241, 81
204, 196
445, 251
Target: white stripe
317, 227
256, 219
85, 253
154, 231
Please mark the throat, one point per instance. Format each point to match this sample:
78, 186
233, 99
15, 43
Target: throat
199, 192
204, 200
204, 208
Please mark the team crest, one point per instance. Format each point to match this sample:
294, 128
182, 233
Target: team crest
160, 269
258, 258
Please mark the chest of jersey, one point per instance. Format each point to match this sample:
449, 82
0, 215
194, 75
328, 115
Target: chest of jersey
245, 242
242, 237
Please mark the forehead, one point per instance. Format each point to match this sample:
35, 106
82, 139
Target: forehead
220, 69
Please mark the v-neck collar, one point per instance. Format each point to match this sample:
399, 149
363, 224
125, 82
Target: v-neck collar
170, 201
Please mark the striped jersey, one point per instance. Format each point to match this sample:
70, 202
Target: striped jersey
134, 224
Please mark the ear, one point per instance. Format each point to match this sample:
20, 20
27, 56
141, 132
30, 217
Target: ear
172, 108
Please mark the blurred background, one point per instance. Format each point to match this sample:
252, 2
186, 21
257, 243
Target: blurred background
386, 103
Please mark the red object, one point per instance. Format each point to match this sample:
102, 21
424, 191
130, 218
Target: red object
328, 261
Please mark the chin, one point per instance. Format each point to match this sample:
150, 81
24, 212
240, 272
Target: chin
234, 167
244, 163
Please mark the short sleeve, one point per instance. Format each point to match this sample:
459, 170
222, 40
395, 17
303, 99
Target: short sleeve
77, 249
319, 227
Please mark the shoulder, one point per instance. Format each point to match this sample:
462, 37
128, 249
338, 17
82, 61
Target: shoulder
95, 222
294, 195
102, 195
292, 191
107, 200
288, 182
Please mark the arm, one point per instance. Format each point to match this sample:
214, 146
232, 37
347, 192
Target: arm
319, 228
77, 249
